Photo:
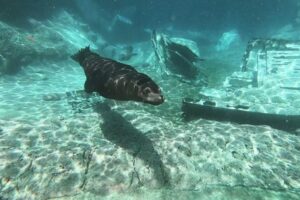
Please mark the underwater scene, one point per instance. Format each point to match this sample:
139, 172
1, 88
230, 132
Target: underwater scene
149, 99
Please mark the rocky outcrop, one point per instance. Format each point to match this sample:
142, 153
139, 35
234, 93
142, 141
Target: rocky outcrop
54, 39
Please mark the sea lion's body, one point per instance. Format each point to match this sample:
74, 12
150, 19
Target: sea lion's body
115, 80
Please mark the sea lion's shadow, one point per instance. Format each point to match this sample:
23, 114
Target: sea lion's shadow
119, 131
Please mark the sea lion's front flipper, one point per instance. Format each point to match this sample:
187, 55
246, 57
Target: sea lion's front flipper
88, 86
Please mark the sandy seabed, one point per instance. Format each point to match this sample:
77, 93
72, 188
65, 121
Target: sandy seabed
60, 144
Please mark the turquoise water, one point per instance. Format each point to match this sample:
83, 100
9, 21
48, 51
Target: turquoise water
58, 142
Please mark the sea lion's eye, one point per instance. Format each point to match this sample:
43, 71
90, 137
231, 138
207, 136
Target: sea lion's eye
146, 91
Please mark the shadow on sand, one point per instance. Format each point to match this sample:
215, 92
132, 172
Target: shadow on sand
122, 133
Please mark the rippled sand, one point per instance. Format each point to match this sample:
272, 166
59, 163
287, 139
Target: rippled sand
72, 146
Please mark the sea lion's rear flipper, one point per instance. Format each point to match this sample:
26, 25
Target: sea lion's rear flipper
88, 86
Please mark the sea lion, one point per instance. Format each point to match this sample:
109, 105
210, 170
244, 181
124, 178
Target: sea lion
115, 80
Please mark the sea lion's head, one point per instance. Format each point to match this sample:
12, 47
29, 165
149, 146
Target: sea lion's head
149, 92
81, 55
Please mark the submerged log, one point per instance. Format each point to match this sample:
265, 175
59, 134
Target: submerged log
192, 111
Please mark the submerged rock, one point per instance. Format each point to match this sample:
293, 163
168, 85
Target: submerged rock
228, 40
52, 40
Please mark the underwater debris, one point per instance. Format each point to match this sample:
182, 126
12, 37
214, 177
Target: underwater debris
184, 51
255, 94
260, 45
177, 55
265, 59
288, 123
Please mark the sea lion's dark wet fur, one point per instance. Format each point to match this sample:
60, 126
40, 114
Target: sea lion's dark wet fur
115, 80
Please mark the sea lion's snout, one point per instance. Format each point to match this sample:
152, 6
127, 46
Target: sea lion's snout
155, 99
152, 96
